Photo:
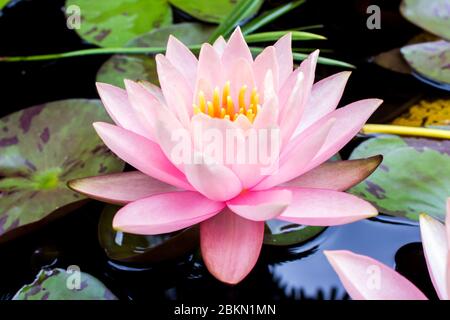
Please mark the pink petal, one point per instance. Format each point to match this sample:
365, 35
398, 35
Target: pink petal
116, 104
210, 73
324, 99
337, 175
215, 181
164, 213
267, 117
120, 188
349, 121
230, 245
284, 57
236, 48
265, 61
141, 153
434, 241
367, 279
154, 90
240, 73
321, 207
293, 161
261, 205
182, 59
219, 45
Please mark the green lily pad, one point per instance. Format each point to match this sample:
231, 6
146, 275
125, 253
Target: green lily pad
430, 59
137, 249
283, 233
109, 23
432, 16
41, 148
59, 284
207, 10
414, 177
3, 3
143, 67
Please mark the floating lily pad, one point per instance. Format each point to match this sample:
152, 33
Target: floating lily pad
41, 148
430, 59
139, 249
143, 67
3, 3
414, 177
59, 284
433, 16
283, 233
109, 23
207, 10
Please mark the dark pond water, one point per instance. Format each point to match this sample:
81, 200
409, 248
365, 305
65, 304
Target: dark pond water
35, 27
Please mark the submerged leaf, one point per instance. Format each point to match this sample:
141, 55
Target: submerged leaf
41, 148
284, 233
59, 284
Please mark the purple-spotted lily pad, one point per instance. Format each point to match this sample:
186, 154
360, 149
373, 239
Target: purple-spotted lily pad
137, 249
431, 15
430, 59
108, 23
143, 67
41, 148
59, 284
414, 177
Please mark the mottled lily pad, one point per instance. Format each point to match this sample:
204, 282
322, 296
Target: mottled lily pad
137, 249
414, 177
283, 233
433, 16
430, 59
143, 67
109, 23
41, 148
207, 10
59, 284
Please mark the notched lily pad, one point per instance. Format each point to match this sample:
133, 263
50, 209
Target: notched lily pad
282, 233
137, 249
433, 16
143, 67
109, 23
41, 148
59, 284
414, 177
430, 59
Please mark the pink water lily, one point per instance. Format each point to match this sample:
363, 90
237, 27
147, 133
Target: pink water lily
354, 269
226, 89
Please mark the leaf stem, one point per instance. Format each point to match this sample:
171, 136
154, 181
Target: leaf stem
406, 131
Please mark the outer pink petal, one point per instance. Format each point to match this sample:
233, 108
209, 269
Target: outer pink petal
261, 205
265, 61
324, 99
349, 120
230, 245
320, 207
236, 48
120, 110
215, 181
284, 57
165, 213
293, 161
434, 241
367, 279
141, 153
220, 45
337, 175
120, 188
154, 90
182, 59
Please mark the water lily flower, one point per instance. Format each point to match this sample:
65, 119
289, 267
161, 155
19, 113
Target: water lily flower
224, 90
357, 271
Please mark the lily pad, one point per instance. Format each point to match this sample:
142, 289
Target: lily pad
109, 23
59, 284
3, 3
282, 233
41, 148
430, 59
432, 16
137, 249
207, 10
414, 177
143, 67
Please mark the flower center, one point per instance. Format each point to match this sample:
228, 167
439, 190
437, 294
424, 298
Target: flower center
223, 106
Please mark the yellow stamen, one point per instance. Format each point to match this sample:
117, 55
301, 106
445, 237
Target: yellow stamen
202, 101
230, 106
241, 110
222, 112
242, 97
210, 109
227, 117
216, 101
196, 109
250, 115
254, 98
225, 93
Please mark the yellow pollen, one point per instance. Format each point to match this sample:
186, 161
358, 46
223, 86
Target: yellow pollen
222, 105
